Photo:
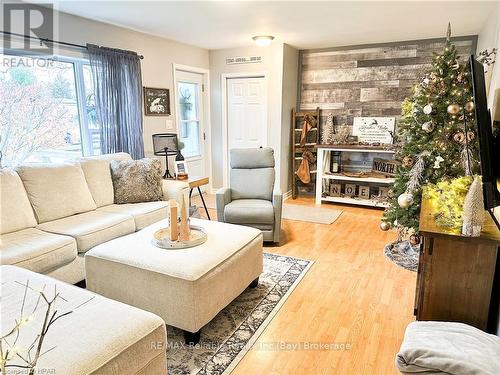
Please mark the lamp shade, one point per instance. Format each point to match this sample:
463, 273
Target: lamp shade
165, 144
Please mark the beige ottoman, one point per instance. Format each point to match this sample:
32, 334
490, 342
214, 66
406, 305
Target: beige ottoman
100, 336
186, 287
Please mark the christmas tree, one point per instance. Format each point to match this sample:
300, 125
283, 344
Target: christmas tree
438, 134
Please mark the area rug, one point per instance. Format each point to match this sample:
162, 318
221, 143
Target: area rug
226, 339
403, 254
311, 214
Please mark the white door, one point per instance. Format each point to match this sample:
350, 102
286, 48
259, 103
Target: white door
191, 130
246, 113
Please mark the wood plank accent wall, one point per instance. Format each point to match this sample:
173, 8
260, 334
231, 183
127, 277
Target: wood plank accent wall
371, 80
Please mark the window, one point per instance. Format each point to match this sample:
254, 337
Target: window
189, 119
47, 110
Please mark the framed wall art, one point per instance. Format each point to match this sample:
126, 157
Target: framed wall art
156, 101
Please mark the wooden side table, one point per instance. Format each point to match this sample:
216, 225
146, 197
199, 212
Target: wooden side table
197, 182
455, 280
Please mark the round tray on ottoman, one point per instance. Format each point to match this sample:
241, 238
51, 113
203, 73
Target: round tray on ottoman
161, 238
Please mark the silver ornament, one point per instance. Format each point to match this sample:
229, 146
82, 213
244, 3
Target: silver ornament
428, 126
427, 109
405, 200
385, 226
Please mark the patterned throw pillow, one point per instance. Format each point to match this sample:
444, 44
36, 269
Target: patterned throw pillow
137, 181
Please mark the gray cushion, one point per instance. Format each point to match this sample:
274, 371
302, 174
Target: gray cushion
246, 158
136, 181
252, 183
249, 211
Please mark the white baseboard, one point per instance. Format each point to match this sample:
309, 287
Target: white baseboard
287, 195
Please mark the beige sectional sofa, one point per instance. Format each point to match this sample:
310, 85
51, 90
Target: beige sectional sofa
51, 214
99, 337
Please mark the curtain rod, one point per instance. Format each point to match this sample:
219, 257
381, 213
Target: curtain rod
46, 40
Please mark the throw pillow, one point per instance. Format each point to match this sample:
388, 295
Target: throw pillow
136, 181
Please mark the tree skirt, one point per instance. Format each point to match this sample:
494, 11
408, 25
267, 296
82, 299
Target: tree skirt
226, 339
403, 254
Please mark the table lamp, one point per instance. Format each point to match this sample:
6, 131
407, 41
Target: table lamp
165, 144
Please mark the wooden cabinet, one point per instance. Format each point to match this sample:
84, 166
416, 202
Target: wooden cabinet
455, 273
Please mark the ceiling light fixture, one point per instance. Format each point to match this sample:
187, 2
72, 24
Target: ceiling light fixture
263, 40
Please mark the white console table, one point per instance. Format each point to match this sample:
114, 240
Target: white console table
323, 151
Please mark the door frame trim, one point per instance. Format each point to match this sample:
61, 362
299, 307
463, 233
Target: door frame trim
206, 112
224, 78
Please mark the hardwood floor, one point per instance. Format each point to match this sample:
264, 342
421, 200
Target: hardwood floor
352, 294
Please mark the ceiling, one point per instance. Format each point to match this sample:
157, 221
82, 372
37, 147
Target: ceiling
302, 24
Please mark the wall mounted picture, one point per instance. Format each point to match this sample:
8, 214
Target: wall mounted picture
156, 101
374, 129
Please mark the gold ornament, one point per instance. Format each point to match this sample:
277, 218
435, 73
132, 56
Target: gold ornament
385, 226
459, 137
471, 135
405, 200
469, 106
414, 240
408, 161
453, 109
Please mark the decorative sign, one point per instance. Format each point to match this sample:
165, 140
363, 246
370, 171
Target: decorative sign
384, 166
364, 191
156, 102
335, 190
374, 129
349, 190
243, 60
383, 192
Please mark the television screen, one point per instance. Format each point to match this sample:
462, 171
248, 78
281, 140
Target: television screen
488, 141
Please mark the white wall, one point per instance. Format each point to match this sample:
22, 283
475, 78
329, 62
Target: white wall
289, 101
489, 38
271, 66
279, 102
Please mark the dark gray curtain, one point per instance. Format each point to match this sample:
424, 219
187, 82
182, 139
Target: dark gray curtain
118, 88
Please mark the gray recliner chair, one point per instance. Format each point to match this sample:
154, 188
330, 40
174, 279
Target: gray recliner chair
251, 199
